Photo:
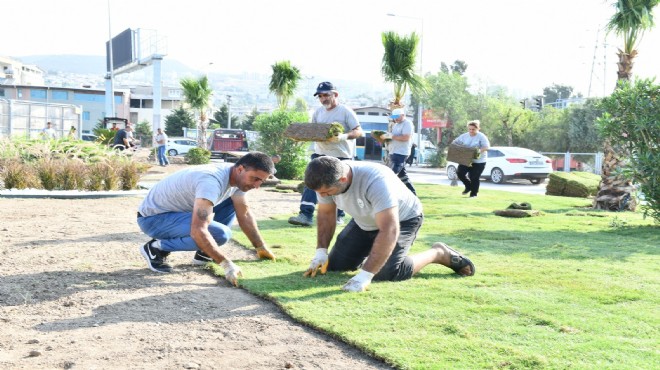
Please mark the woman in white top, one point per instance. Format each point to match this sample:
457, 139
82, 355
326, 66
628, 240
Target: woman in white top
469, 176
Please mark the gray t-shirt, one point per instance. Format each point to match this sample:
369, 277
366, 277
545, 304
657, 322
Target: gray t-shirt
177, 192
341, 114
477, 141
374, 188
404, 127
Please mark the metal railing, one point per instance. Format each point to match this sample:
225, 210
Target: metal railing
568, 157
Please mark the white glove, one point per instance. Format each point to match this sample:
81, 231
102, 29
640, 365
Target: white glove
320, 260
232, 272
359, 282
338, 138
387, 135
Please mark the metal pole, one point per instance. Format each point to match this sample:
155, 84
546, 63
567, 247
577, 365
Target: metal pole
419, 102
111, 72
228, 111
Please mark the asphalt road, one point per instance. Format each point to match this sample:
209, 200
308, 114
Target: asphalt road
439, 176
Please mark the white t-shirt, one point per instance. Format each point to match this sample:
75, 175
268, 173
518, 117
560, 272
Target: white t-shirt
161, 137
374, 188
404, 127
177, 192
477, 141
341, 114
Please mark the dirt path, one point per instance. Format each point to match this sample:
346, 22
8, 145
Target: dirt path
76, 294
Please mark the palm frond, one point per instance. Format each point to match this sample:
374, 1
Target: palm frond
398, 64
284, 82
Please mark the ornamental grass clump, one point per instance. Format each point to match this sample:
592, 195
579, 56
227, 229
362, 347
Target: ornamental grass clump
72, 174
47, 172
96, 176
18, 175
129, 173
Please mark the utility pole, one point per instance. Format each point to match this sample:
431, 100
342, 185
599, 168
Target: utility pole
228, 111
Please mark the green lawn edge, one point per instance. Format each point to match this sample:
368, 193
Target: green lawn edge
573, 287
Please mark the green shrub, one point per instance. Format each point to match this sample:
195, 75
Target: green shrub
438, 160
198, 156
630, 122
271, 127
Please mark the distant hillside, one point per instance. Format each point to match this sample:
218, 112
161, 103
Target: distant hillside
90, 64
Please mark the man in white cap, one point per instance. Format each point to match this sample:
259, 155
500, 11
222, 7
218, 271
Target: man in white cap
341, 146
400, 145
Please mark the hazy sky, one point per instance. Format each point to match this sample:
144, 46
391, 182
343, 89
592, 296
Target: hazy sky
523, 44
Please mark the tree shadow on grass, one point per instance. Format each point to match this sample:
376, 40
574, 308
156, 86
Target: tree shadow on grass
614, 244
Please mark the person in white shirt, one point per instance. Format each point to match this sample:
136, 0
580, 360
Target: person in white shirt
49, 132
161, 141
341, 146
469, 176
385, 223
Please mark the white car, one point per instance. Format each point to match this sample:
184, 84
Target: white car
509, 162
176, 146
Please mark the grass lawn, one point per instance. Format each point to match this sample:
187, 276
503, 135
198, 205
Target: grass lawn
572, 288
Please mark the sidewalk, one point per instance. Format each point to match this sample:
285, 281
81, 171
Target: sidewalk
420, 169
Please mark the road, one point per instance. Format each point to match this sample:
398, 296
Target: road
439, 176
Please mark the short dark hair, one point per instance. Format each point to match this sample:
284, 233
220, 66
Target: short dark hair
323, 171
257, 161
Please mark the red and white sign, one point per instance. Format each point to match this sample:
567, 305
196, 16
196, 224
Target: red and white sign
431, 119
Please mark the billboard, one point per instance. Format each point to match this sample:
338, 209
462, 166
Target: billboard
123, 50
432, 119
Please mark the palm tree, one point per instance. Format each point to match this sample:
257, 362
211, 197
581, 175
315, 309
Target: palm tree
631, 19
283, 82
197, 93
398, 65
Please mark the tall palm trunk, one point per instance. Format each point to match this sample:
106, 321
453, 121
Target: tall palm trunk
630, 20
615, 191
625, 64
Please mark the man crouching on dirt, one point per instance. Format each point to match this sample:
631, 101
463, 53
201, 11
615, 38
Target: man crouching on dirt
193, 209
386, 219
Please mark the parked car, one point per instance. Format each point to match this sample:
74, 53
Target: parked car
508, 162
176, 146
88, 137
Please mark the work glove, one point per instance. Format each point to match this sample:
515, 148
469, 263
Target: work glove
385, 136
232, 272
338, 138
359, 282
320, 261
265, 254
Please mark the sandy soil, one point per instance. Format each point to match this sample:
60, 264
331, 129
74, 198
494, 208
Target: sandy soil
76, 294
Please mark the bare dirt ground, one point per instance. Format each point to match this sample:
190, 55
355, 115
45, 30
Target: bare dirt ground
75, 293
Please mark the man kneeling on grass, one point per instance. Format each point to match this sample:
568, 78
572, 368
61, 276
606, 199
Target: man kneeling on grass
386, 219
193, 209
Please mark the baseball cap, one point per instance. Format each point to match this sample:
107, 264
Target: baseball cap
325, 87
397, 113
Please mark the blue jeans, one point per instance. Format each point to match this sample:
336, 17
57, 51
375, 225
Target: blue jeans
162, 158
309, 199
173, 228
398, 165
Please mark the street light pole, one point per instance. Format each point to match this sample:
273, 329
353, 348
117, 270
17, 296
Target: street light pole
421, 73
228, 111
